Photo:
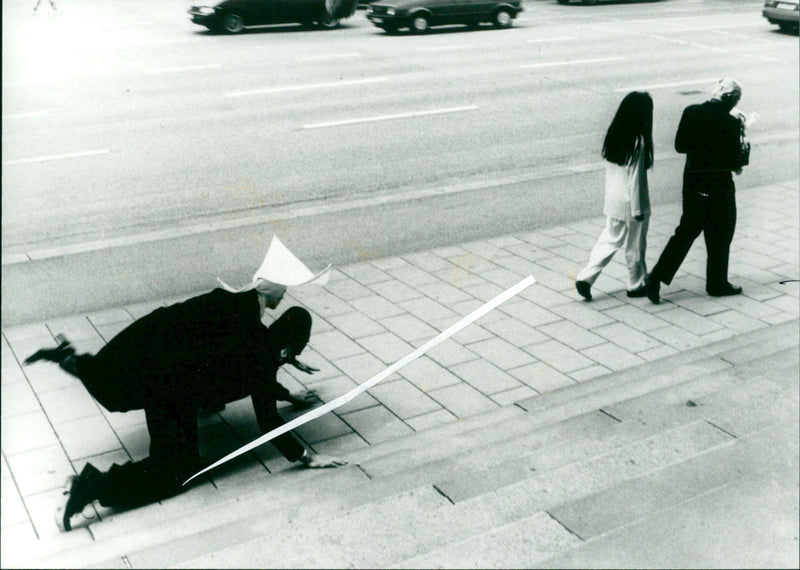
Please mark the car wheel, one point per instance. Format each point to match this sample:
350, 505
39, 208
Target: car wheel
503, 18
563, 1
327, 22
390, 29
785, 27
233, 23
420, 23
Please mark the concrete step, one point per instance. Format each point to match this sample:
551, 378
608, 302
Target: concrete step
573, 440
552, 538
201, 509
607, 507
352, 495
344, 542
318, 543
751, 518
505, 462
341, 488
735, 408
772, 370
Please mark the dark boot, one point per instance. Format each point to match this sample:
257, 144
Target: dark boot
57, 354
584, 289
81, 490
652, 286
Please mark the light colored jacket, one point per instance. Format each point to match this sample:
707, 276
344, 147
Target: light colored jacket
627, 194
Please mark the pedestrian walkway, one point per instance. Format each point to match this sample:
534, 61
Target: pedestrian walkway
546, 340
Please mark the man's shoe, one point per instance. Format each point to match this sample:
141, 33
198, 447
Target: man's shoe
640, 292
726, 291
79, 490
56, 354
652, 289
584, 289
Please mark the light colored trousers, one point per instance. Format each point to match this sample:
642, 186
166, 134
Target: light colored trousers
629, 234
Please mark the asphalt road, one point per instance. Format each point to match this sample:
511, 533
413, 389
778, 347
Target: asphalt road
143, 156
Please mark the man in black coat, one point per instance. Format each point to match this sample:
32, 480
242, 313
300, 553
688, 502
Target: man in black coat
710, 137
212, 348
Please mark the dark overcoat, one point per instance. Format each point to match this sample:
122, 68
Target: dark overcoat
210, 348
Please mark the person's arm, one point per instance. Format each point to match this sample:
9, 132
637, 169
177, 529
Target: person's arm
269, 419
685, 137
730, 143
634, 181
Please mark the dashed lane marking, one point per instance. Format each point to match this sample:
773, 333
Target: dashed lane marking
184, 68
307, 86
654, 86
26, 115
556, 39
56, 157
325, 57
445, 48
570, 62
391, 117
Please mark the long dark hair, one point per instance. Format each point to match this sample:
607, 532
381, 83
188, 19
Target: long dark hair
634, 119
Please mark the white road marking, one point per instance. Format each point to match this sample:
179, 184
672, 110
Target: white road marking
306, 86
185, 68
326, 57
444, 48
56, 157
27, 115
391, 117
764, 57
712, 48
668, 39
571, 62
543, 40
666, 85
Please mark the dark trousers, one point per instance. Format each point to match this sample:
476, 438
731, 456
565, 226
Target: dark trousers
173, 448
709, 206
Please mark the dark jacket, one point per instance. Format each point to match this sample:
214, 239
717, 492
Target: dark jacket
212, 347
709, 136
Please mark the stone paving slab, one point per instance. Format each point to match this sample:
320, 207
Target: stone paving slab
374, 312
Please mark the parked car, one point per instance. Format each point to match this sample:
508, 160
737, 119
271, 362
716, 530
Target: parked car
593, 2
419, 15
785, 13
233, 16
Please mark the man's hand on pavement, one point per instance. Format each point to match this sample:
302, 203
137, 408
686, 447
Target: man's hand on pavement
321, 461
304, 400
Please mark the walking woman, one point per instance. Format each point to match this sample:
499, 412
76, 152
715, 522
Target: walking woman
628, 150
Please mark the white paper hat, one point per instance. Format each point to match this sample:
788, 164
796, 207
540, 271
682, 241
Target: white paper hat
282, 267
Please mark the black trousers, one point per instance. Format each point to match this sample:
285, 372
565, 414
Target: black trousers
173, 458
709, 206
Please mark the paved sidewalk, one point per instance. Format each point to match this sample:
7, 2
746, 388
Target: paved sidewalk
375, 312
